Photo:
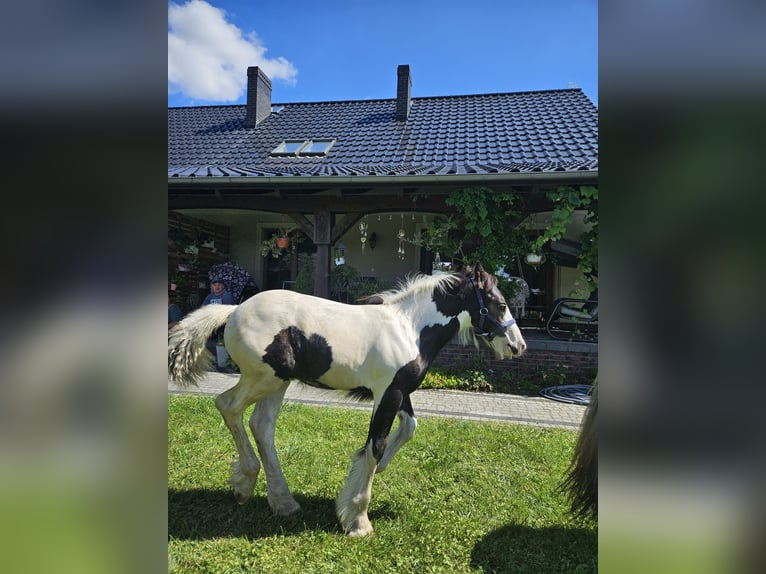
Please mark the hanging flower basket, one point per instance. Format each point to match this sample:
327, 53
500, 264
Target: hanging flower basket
279, 242
533, 259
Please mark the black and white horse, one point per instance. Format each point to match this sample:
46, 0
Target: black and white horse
381, 351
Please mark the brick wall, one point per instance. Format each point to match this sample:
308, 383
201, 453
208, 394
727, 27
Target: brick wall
534, 360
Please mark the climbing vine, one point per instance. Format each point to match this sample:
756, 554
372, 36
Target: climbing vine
486, 228
567, 200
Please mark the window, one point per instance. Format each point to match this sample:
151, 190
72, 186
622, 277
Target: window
289, 147
303, 147
317, 147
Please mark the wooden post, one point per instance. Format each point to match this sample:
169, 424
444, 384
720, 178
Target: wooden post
293, 262
323, 241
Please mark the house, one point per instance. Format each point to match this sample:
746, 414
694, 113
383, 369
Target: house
343, 171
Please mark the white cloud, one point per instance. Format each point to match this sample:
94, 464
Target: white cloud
208, 57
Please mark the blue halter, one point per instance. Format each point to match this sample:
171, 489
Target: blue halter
500, 328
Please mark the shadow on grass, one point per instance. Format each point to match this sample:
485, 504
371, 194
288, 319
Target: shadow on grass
519, 549
200, 514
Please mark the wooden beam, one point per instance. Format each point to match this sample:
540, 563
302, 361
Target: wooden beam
344, 225
293, 204
303, 223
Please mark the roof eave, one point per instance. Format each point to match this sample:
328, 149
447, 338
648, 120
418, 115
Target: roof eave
580, 177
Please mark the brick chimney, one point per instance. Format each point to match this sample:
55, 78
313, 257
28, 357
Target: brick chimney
258, 97
403, 88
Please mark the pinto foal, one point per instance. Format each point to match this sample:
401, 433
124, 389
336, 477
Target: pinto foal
380, 351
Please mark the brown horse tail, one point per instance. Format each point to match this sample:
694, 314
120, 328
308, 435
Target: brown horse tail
188, 359
581, 480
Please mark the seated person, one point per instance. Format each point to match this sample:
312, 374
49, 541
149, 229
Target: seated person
218, 295
174, 313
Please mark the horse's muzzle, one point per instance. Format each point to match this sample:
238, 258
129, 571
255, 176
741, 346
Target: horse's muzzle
517, 349
515, 342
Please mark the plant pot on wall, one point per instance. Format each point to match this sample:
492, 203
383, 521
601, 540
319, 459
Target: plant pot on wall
283, 242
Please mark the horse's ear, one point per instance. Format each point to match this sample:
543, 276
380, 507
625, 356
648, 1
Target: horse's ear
478, 273
458, 266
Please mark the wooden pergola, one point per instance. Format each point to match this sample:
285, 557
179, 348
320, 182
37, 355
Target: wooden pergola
336, 203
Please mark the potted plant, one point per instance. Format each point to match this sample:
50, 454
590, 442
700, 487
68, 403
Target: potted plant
181, 241
344, 280
304, 280
283, 242
280, 241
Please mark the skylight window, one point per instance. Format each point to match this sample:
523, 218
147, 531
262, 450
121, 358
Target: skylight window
312, 147
317, 147
289, 147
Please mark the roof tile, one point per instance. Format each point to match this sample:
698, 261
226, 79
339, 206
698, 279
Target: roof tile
555, 130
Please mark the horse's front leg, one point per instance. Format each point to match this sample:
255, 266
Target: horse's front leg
354, 498
403, 433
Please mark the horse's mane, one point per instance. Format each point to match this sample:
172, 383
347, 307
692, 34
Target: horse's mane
411, 287
418, 284
414, 285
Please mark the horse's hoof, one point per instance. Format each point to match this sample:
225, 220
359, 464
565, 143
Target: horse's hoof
360, 527
361, 532
284, 507
243, 484
241, 498
243, 488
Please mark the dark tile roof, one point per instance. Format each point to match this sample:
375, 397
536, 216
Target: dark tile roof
543, 131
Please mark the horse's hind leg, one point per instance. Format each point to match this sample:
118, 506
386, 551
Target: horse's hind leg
354, 498
262, 423
232, 404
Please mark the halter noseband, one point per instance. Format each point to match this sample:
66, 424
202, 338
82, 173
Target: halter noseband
500, 328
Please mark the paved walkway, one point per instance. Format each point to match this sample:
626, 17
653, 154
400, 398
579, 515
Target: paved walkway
534, 411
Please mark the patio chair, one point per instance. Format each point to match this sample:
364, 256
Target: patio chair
574, 319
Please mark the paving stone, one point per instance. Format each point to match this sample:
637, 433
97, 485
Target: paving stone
533, 411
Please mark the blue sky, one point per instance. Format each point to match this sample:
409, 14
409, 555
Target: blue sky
350, 49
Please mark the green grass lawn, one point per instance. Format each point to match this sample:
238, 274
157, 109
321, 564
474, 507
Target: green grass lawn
461, 496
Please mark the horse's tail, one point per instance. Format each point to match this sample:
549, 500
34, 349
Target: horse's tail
188, 359
581, 479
